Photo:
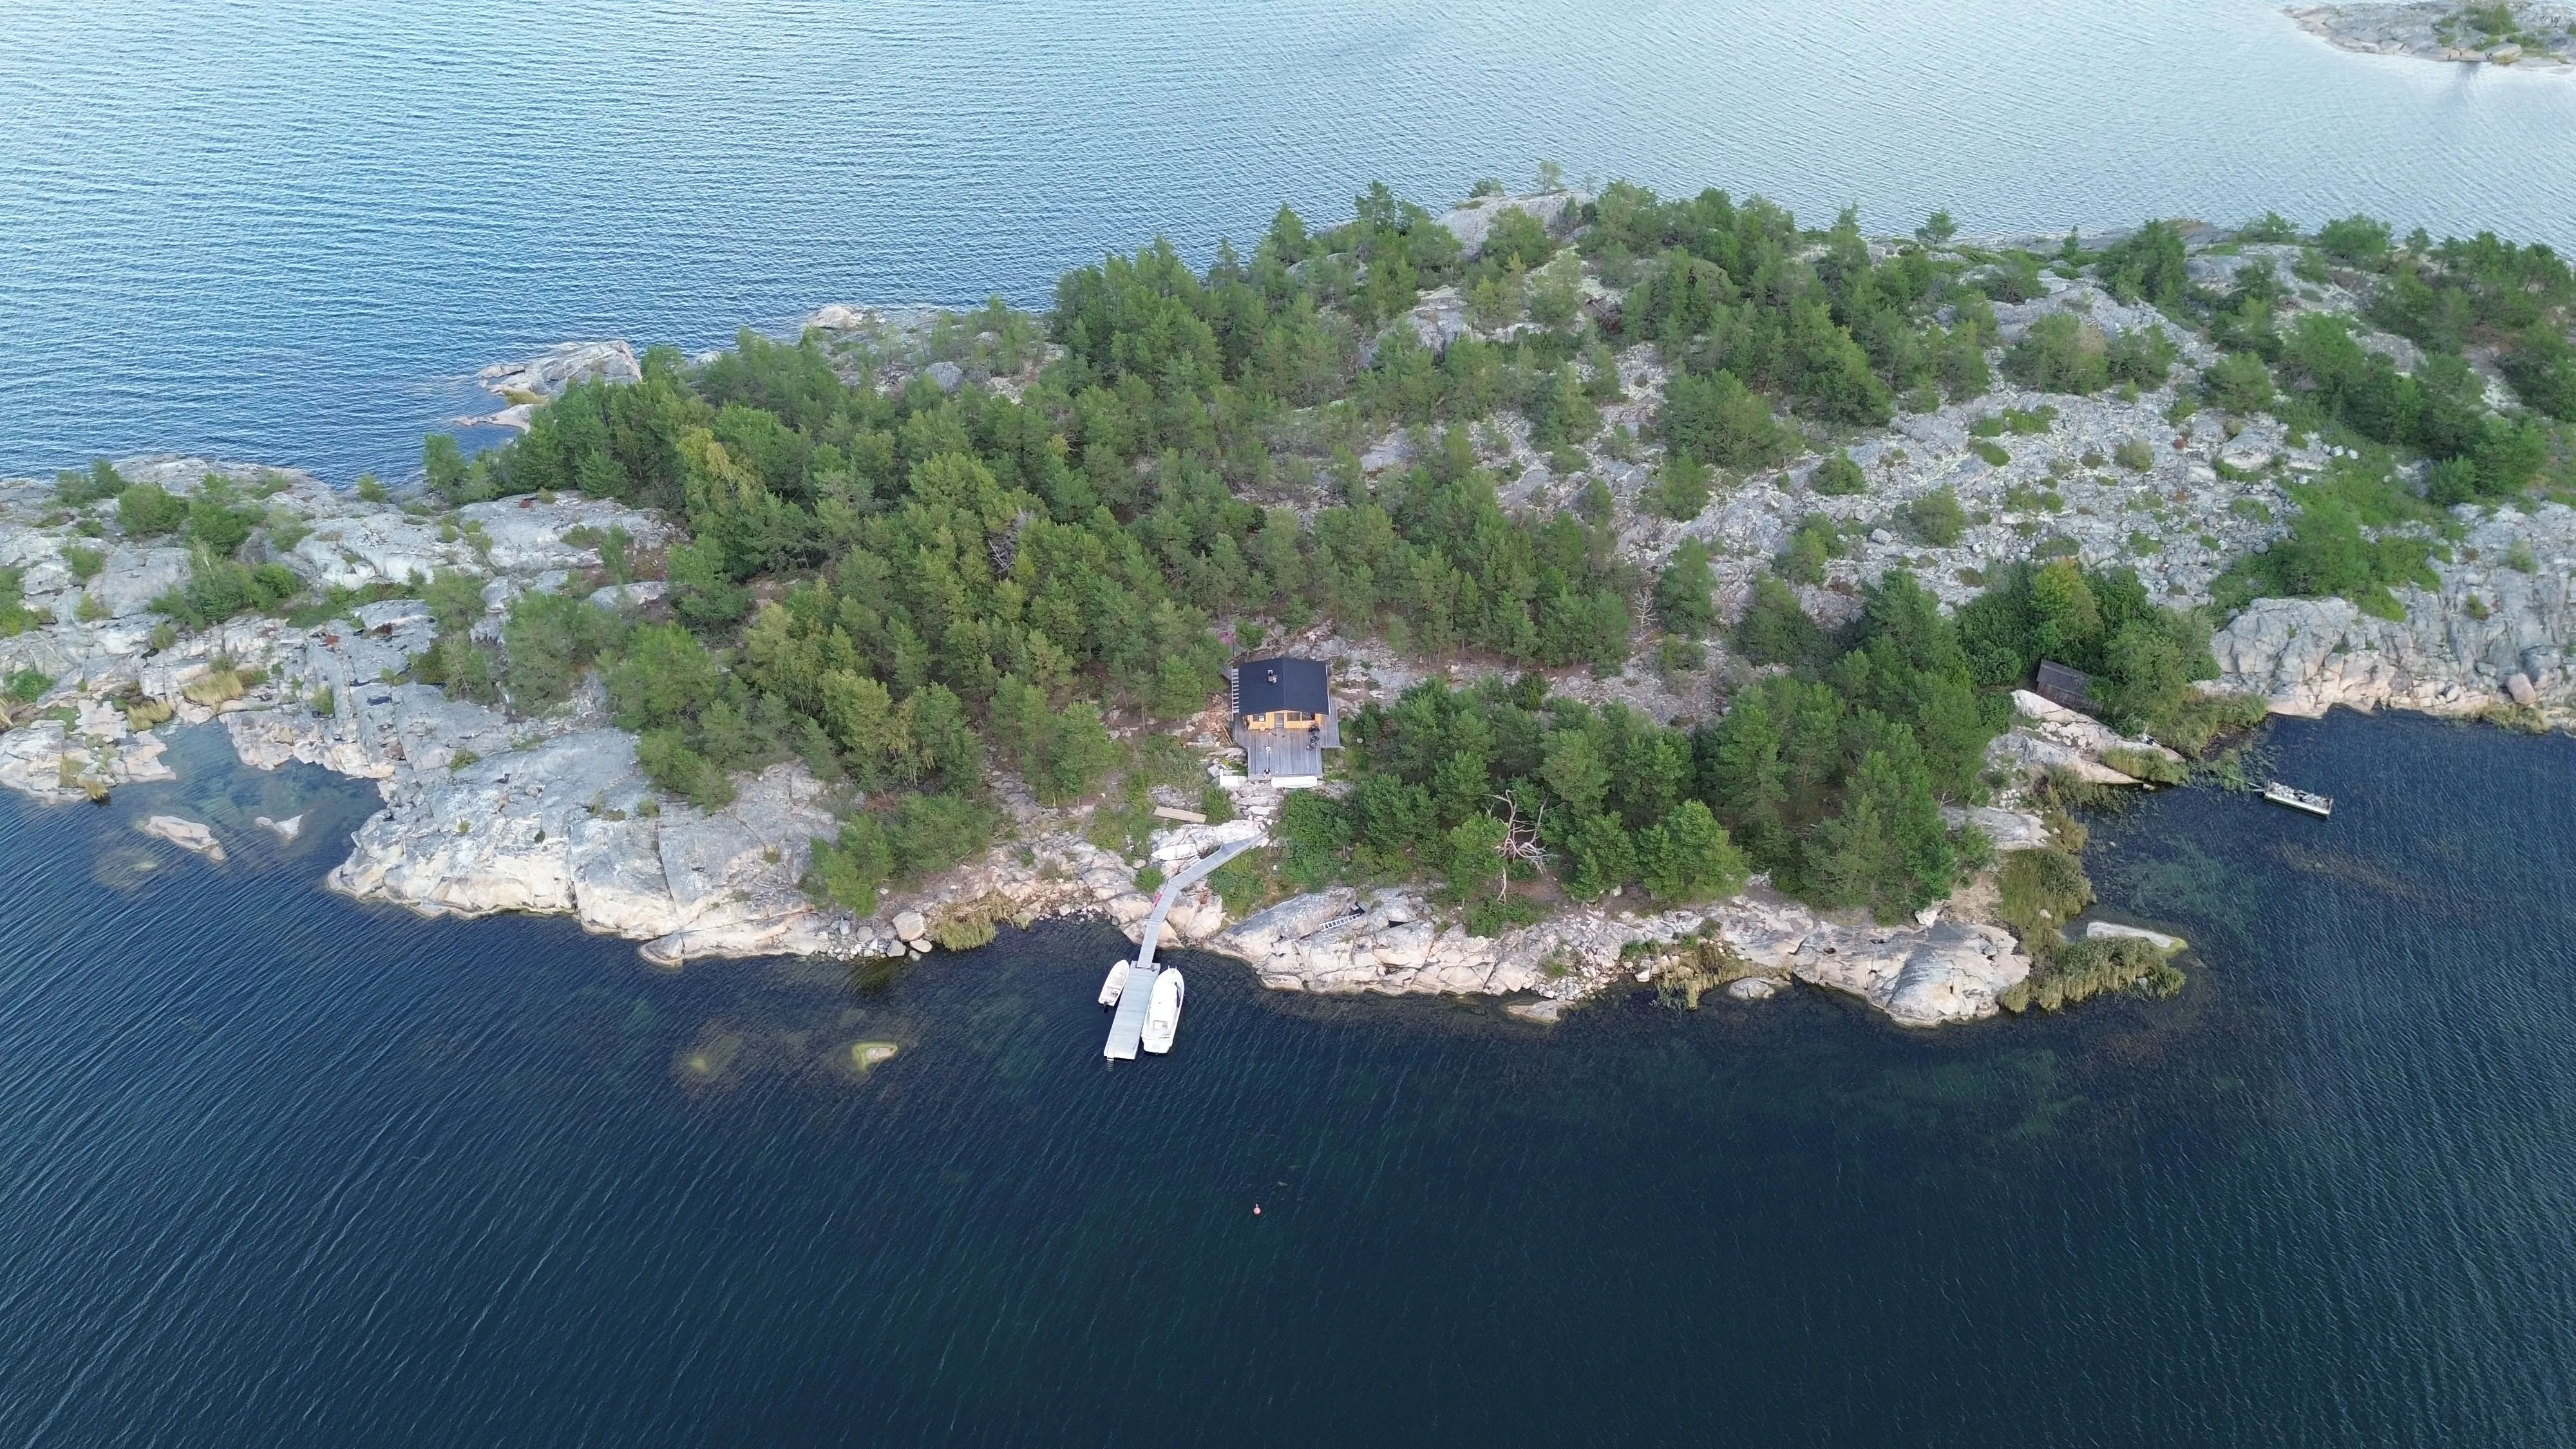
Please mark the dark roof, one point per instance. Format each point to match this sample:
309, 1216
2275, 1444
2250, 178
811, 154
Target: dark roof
1262, 685
2070, 687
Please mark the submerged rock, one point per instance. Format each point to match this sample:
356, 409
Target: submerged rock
186, 834
2113, 930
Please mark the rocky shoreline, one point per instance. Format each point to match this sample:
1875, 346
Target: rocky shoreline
486, 811
2541, 38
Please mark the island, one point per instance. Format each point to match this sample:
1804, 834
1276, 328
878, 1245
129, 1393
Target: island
2526, 34
1700, 600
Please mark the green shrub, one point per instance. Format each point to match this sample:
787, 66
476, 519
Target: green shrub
551, 639
85, 562
852, 869
1993, 453
2358, 240
217, 523
146, 510
1716, 418
2060, 354
2028, 422
79, 489
1838, 477
967, 925
2134, 454
15, 616
2238, 382
1936, 518
931, 833
2152, 766
2194, 718
2040, 891
668, 761
1682, 592
2080, 970
218, 589
29, 685
1681, 488
2139, 357
1811, 544
2327, 554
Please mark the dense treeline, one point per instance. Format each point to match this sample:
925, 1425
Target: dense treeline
900, 585
1830, 777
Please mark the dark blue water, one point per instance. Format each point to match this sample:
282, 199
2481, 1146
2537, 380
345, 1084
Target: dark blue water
278, 1169
289, 233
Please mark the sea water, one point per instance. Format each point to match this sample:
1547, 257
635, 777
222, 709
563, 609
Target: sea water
283, 1169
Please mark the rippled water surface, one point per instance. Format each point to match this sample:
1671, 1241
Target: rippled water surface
288, 232
278, 1169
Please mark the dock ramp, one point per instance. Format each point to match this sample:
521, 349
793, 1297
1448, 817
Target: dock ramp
1127, 1027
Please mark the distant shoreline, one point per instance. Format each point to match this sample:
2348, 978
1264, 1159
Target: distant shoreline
2538, 38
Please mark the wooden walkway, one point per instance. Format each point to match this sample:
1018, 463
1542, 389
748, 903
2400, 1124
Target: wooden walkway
1127, 1028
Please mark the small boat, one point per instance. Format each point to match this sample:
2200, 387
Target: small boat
1163, 1017
1116, 983
2280, 794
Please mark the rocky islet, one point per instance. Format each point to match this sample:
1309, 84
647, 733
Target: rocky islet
486, 812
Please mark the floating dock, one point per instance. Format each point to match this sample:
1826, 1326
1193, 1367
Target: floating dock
2280, 794
1127, 1027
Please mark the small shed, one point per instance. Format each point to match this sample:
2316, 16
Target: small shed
2072, 688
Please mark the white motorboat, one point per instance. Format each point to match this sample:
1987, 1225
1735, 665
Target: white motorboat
1163, 1017
1116, 983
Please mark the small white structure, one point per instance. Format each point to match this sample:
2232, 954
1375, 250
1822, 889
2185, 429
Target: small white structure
1163, 1018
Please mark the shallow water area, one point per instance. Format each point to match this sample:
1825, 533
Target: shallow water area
288, 1169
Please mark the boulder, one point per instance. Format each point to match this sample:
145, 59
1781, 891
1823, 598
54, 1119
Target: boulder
911, 927
548, 373
133, 577
841, 317
186, 834
1404, 946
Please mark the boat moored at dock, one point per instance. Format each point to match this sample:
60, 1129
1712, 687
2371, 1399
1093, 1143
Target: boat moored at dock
1163, 1018
1115, 983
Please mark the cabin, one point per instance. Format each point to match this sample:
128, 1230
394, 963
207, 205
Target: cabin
1284, 717
2072, 688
